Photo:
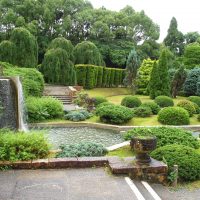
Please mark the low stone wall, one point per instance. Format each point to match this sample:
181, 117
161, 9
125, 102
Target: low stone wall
156, 171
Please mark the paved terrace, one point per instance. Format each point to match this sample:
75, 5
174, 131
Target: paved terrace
81, 184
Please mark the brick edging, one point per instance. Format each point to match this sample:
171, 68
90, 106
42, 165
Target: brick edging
56, 163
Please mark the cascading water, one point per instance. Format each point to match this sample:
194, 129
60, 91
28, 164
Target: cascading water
12, 100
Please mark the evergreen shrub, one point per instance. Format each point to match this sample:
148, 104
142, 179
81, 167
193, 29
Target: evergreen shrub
187, 105
155, 108
143, 111
99, 100
165, 136
164, 101
195, 99
187, 159
114, 114
173, 116
131, 102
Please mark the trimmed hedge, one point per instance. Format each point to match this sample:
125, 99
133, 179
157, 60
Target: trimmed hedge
164, 101
165, 136
91, 76
114, 114
131, 102
187, 105
155, 108
173, 116
40, 109
187, 159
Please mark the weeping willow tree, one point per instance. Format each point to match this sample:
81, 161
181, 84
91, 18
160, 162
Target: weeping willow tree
26, 48
7, 51
57, 66
87, 53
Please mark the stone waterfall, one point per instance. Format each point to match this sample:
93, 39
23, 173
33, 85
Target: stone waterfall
12, 101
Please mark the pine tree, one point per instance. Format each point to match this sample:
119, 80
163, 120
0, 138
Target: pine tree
174, 39
132, 66
154, 82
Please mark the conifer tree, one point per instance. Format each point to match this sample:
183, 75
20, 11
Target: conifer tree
132, 66
154, 82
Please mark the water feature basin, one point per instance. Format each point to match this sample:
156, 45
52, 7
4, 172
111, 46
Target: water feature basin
75, 135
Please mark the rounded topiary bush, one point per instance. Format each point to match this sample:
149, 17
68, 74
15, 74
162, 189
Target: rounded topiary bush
164, 101
114, 114
165, 136
187, 105
174, 116
155, 108
99, 100
143, 111
187, 159
195, 99
105, 104
131, 102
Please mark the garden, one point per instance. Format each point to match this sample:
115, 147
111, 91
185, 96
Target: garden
132, 85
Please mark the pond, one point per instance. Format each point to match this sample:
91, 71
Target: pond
58, 136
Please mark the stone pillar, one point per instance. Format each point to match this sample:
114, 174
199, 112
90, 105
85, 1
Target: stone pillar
8, 99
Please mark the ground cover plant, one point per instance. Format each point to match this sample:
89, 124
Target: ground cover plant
165, 136
77, 116
22, 146
82, 150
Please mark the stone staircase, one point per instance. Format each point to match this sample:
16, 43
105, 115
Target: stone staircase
65, 99
65, 94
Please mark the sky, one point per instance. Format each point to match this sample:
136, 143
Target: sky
161, 12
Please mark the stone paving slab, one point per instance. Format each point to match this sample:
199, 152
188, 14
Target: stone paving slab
68, 184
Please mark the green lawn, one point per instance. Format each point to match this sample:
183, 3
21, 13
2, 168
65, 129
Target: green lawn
122, 152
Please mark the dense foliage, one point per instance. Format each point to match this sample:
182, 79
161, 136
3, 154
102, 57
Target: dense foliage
143, 111
173, 116
87, 53
77, 116
57, 66
155, 108
187, 105
77, 21
187, 159
90, 76
21, 50
195, 99
22, 146
82, 150
114, 114
40, 109
131, 102
165, 136
192, 55
164, 101
143, 76
32, 80
191, 83
99, 100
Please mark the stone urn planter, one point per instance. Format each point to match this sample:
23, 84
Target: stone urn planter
142, 146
